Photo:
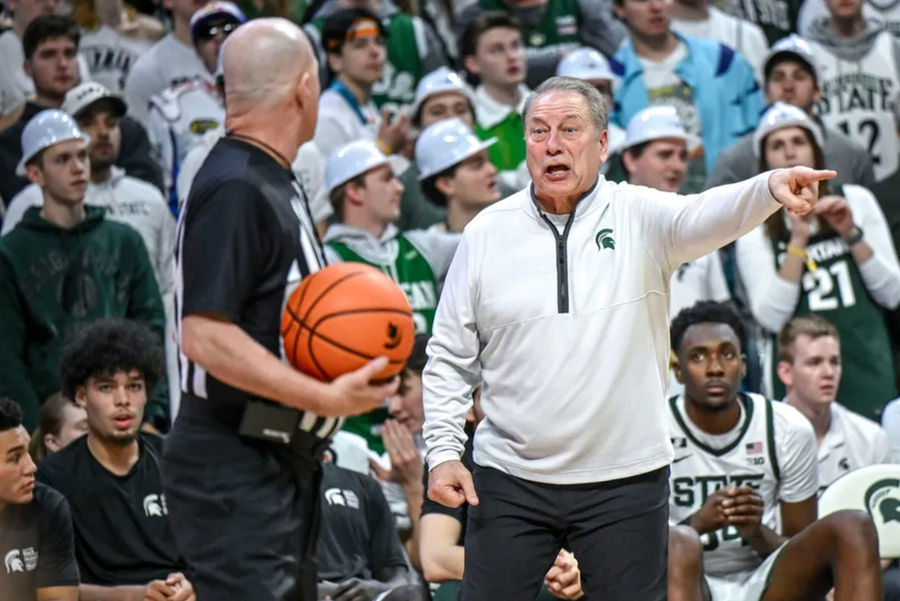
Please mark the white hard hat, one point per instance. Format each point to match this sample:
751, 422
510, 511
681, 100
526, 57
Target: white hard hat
444, 144
352, 159
85, 94
782, 115
585, 63
654, 123
795, 45
440, 80
44, 130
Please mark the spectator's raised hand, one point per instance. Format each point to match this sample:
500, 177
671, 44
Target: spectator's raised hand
835, 210
406, 462
394, 133
797, 188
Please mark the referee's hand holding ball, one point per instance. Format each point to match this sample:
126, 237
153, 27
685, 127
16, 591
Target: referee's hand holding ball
797, 188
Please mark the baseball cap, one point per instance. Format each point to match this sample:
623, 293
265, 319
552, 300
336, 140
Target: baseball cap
444, 144
45, 129
782, 115
654, 123
85, 94
215, 10
790, 47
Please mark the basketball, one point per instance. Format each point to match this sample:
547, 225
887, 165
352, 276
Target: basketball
343, 316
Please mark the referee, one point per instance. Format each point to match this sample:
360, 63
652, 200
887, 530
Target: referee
240, 467
556, 304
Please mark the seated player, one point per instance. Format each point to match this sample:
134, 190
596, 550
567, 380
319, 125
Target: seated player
36, 540
456, 171
111, 477
359, 555
656, 155
809, 366
61, 422
744, 464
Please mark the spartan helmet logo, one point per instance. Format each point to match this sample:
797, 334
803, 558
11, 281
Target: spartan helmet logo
13, 562
604, 239
153, 506
883, 500
394, 337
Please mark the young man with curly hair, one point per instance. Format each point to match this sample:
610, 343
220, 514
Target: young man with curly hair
111, 477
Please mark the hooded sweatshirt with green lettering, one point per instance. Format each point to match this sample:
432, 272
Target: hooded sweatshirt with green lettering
53, 282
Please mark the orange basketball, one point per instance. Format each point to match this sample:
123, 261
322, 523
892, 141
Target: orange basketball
343, 316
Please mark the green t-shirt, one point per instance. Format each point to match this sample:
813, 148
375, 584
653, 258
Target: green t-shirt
558, 25
415, 276
835, 291
509, 151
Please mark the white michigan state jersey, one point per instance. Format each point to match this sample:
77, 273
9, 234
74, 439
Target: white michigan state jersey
771, 450
858, 98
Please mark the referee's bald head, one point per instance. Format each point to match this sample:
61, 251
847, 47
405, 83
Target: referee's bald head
269, 63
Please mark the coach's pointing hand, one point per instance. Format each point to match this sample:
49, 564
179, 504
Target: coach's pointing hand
450, 484
354, 393
797, 188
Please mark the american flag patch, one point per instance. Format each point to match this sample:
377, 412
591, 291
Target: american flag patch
754, 448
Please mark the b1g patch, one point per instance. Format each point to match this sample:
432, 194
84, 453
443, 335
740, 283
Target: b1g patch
201, 126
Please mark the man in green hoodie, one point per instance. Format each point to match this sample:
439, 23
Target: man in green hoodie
64, 266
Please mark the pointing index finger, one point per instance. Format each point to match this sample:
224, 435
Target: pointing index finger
818, 175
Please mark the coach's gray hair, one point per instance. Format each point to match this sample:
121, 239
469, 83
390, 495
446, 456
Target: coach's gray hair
595, 101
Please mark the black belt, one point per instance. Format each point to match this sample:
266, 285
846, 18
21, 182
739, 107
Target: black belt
303, 447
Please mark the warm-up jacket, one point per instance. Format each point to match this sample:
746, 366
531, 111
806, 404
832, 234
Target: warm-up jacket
53, 281
725, 92
564, 323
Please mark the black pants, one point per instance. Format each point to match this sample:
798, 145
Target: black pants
243, 518
617, 530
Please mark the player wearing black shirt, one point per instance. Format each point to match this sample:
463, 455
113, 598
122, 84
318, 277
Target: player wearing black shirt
242, 459
359, 553
36, 541
111, 477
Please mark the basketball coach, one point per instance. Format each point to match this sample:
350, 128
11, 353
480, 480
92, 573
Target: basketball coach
240, 466
556, 304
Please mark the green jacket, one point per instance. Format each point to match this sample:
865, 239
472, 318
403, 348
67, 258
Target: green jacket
54, 281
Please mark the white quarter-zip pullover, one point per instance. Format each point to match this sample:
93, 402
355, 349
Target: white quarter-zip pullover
566, 328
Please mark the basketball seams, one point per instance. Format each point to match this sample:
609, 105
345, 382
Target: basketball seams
328, 289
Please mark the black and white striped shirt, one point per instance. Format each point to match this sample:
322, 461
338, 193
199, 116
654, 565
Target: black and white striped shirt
245, 240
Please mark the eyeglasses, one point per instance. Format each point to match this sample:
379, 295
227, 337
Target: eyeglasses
208, 32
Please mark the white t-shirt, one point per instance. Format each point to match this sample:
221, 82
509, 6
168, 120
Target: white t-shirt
699, 280
852, 442
890, 421
179, 117
772, 449
110, 55
339, 123
745, 37
12, 58
166, 63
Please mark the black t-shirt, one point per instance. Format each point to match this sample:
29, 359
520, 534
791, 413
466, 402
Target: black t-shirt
122, 531
37, 546
246, 241
461, 513
357, 535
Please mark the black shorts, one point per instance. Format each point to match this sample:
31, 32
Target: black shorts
617, 530
243, 519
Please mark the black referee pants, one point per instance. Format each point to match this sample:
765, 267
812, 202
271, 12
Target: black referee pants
244, 521
618, 531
